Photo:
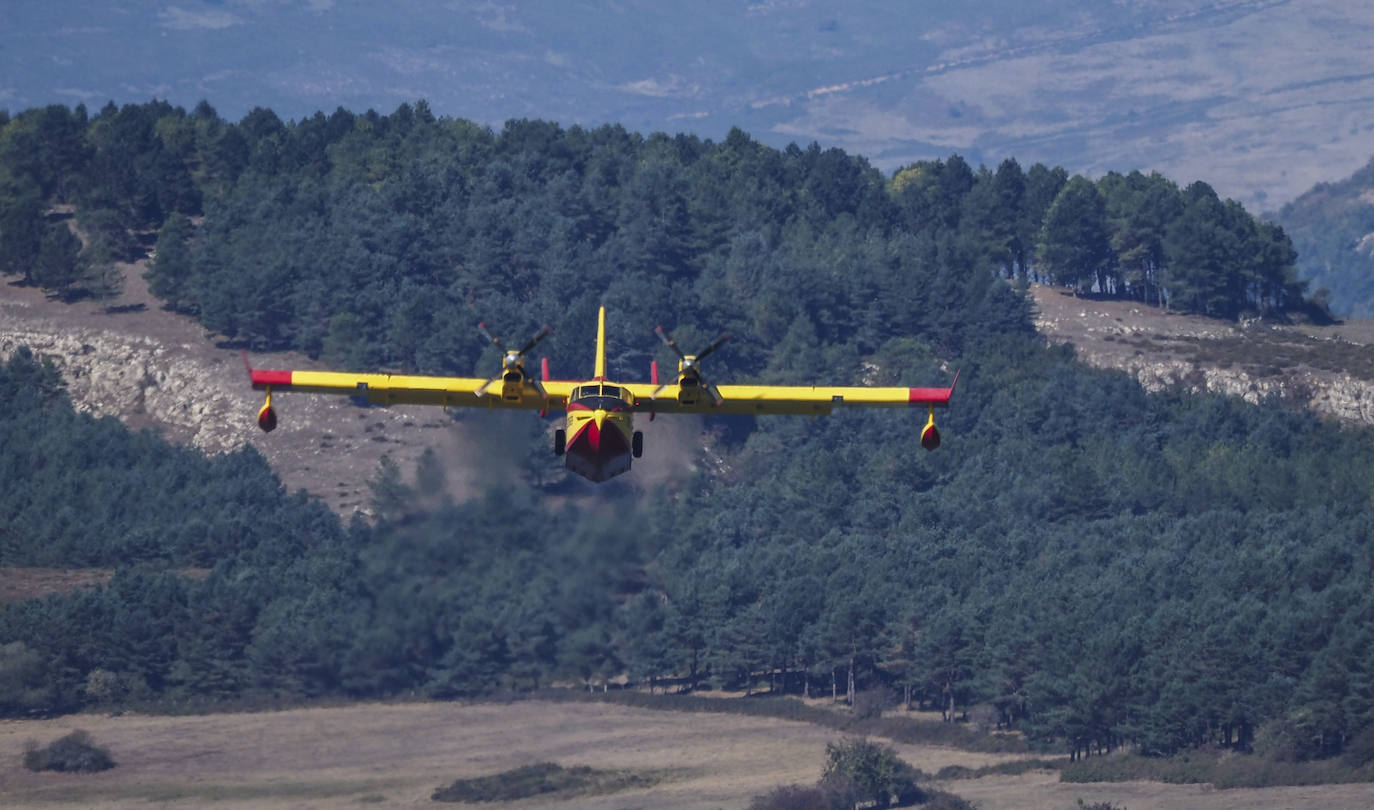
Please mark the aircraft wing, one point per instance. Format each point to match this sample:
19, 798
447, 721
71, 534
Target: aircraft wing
403, 389
790, 399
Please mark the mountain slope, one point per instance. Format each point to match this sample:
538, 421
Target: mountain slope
154, 369
1263, 97
1332, 228
1327, 369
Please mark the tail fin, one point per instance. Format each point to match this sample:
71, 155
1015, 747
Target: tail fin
600, 345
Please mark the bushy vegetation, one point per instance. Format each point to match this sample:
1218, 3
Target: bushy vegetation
540, 779
1084, 563
1219, 768
867, 773
74, 753
860, 773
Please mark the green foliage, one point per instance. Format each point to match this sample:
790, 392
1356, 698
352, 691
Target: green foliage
1074, 247
1012, 767
1217, 768
870, 772
171, 266
796, 797
860, 773
22, 226
74, 753
26, 685
58, 266
542, 779
1091, 566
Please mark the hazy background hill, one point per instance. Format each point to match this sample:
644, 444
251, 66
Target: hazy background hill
1265, 98
1332, 227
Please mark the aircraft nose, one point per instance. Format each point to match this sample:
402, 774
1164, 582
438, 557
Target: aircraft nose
598, 416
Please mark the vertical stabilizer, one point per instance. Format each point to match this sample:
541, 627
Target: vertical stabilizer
600, 345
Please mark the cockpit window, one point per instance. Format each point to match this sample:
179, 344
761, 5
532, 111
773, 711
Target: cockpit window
602, 397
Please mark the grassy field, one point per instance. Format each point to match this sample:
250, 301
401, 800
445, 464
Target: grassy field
396, 755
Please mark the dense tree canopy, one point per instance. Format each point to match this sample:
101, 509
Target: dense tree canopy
1095, 565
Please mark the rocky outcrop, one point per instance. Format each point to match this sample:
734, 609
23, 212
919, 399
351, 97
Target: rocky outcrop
141, 381
1253, 361
153, 369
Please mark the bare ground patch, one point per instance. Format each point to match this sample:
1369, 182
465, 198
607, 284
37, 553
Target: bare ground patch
1329, 369
324, 445
18, 584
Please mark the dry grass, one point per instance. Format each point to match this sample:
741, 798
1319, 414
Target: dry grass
18, 584
396, 755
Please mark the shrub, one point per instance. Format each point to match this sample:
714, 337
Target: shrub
874, 772
793, 797
539, 779
1360, 751
940, 800
869, 704
74, 753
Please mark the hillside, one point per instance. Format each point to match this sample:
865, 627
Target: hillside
1332, 227
154, 369
1326, 369
1263, 97
1079, 562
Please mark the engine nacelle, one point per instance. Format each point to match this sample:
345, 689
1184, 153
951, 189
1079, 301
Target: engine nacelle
513, 384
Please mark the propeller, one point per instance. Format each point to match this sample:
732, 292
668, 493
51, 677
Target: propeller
513, 360
688, 364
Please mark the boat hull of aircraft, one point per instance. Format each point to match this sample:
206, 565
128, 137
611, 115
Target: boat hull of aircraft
598, 452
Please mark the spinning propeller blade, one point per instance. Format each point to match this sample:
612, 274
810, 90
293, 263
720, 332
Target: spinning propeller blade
534, 341
712, 347
512, 360
689, 364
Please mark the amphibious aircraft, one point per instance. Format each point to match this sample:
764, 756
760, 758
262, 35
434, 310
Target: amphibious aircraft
598, 439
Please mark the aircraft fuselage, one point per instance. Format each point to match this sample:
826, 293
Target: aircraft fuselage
600, 431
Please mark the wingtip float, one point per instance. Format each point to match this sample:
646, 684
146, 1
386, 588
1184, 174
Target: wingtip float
597, 439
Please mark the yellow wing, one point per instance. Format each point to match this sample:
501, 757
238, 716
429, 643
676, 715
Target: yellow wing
786, 399
404, 389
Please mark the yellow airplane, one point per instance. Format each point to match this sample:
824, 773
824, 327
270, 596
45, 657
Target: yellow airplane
598, 438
